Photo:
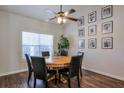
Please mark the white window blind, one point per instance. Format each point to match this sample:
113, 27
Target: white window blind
33, 43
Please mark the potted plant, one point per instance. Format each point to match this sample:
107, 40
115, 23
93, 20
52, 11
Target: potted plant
63, 46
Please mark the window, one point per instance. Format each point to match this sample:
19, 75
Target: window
33, 43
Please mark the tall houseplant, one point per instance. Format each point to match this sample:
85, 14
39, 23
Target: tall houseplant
63, 46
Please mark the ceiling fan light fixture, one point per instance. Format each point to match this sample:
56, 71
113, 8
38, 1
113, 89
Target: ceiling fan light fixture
66, 13
59, 20
64, 20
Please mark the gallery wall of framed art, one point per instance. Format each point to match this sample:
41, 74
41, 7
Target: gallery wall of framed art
88, 32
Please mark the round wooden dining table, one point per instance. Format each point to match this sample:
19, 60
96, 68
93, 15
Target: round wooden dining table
57, 62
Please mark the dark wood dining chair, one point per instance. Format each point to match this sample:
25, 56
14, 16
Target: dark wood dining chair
45, 54
40, 70
30, 69
72, 71
82, 54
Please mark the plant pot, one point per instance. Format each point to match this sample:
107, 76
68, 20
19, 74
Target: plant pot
64, 53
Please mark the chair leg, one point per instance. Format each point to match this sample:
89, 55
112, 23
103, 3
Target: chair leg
55, 79
59, 77
81, 71
29, 77
78, 79
35, 82
46, 84
69, 82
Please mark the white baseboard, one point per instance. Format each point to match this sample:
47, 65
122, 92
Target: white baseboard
12, 72
104, 73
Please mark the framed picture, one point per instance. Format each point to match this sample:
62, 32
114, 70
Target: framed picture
81, 21
107, 42
81, 43
107, 12
92, 30
92, 43
92, 17
107, 27
81, 32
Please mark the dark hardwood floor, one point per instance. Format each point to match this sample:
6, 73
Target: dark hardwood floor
89, 80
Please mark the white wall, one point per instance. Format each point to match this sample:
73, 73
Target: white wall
106, 61
11, 27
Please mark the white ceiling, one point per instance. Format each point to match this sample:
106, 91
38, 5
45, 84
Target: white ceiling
40, 11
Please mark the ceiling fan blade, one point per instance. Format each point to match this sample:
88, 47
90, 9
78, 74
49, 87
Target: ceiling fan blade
71, 18
51, 19
70, 12
51, 12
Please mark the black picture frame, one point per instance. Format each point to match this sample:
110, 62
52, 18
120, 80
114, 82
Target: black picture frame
81, 21
107, 12
107, 42
81, 43
92, 17
92, 30
81, 32
107, 27
92, 43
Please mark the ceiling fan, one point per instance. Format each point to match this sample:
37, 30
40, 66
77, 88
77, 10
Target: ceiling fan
61, 16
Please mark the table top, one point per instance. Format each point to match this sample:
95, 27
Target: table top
58, 61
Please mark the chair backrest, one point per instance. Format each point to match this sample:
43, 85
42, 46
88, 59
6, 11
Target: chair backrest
39, 67
45, 53
28, 62
75, 65
82, 54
